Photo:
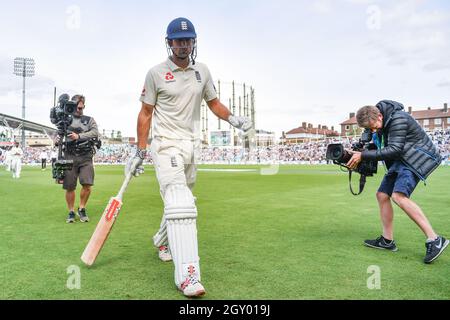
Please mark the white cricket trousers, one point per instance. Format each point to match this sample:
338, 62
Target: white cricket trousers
16, 167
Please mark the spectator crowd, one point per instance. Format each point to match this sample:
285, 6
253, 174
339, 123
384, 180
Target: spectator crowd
313, 152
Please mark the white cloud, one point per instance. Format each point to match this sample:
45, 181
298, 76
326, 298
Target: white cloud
360, 2
436, 66
426, 19
443, 84
410, 33
322, 6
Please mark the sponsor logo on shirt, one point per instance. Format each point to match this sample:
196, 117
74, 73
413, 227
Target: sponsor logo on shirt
173, 162
198, 76
143, 92
169, 77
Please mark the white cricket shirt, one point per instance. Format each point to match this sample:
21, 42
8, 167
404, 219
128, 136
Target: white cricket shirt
177, 94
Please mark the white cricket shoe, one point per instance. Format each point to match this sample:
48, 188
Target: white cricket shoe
164, 253
191, 287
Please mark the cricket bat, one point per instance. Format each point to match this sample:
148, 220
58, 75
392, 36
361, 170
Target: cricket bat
104, 226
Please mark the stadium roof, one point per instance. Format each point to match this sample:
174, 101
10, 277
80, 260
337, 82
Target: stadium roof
16, 123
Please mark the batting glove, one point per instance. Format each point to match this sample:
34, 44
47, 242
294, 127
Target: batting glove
242, 123
134, 164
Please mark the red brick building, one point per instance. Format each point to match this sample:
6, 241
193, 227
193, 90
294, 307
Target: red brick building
307, 133
429, 119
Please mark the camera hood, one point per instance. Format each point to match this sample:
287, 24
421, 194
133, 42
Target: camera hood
335, 151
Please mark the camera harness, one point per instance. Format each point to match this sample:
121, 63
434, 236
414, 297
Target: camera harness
362, 183
362, 179
85, 147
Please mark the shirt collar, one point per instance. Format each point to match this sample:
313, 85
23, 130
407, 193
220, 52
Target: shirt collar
173, 67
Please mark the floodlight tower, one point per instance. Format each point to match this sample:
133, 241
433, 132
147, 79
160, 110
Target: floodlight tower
23, 67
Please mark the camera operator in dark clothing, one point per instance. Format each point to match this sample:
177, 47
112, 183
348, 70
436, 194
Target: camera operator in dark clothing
410, 156
82, 135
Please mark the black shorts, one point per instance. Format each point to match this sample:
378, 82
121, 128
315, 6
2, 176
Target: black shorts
83, 169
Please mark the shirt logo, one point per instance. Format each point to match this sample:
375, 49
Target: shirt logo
169, 77
184, 25
197, 75
173, 162
143, 92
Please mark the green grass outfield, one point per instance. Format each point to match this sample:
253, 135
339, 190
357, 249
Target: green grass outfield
294, 235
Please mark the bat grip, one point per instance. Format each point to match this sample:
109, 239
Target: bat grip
124, 185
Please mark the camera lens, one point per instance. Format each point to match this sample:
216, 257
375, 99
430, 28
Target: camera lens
70, 108
337, 153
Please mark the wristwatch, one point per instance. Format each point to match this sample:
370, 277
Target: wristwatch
141, 153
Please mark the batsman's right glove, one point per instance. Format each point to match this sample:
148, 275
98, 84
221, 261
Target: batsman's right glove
242, 123
134, 164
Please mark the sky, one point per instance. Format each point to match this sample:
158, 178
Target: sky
309, 61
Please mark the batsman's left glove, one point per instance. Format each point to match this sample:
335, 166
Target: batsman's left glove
134, 164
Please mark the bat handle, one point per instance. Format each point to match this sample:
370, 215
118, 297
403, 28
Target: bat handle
124, 185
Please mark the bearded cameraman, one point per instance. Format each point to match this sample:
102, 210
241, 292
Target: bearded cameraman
82, 136
410, 156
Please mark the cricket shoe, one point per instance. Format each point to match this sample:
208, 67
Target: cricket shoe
191, 287
164, 253
71, 217
381, 243
435, 248
83, 216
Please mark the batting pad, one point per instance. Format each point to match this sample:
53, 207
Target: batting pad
181, 223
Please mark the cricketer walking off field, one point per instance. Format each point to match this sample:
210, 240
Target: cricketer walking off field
8, 159
171, 99
16, 155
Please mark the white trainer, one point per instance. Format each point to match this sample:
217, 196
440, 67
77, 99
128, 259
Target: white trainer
191, 287
164, 253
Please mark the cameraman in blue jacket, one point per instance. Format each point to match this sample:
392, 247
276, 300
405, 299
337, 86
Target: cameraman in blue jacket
410, 156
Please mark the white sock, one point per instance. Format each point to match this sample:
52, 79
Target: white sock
432, 240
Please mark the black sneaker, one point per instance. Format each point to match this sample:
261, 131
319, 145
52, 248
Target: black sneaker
435, 248
71, 217
83, 216
381, 243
